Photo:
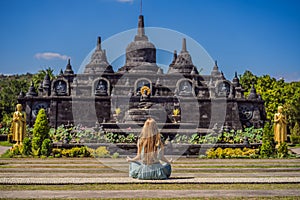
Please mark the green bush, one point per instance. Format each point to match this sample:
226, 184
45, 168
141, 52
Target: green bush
295, 135
115, 155
84, 152
40, 132
56, 152
282, 151
101, 152
74, 152
46, 147
15, 151
267, 148
26, 147
35, 146
232, 153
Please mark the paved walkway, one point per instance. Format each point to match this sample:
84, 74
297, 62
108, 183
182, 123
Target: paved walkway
295, 150
3, 149
38, 194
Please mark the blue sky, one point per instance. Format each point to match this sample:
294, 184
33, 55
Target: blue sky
262, 36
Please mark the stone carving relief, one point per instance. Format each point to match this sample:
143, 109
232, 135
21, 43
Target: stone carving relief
60, 88
39, 105
245, 112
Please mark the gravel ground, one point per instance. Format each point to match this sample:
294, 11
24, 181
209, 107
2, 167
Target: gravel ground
36, 194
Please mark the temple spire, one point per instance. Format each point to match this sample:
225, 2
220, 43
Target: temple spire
141, 7
216, 67
141, 30
174, 57
99, 43
183, 45
69, 68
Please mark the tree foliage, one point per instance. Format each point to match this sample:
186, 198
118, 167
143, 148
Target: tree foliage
10, 88
274, 93
39, 76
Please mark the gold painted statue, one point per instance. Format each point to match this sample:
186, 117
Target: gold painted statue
280, 127
19, 125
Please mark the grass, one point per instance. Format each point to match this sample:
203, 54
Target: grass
5, 155
136, 186
6, 144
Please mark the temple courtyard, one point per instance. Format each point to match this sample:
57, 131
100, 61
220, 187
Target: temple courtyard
192, 178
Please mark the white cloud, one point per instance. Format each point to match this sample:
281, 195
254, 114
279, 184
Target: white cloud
125, 1
50, 56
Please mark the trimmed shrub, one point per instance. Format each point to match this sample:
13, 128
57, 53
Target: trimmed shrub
35, 146
46, 147
26, 147
267, 148
40, 132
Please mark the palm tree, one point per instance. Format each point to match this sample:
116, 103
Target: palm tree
39, 77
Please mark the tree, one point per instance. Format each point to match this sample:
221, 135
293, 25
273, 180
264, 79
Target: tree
10, 88
274, 93
39, 77
246, 81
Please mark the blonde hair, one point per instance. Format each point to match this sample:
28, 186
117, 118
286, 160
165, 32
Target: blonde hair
150, 140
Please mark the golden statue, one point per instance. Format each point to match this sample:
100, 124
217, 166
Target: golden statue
280, 127
19, 125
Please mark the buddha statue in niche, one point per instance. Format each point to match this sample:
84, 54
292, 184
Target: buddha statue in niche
186, 89
101, 88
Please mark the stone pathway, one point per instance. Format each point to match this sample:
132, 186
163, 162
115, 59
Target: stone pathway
295, 150
38, 194
3, 149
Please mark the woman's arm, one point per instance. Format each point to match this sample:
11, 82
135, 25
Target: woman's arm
163, 158
137, 157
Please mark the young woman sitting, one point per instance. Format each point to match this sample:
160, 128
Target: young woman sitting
150, 162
